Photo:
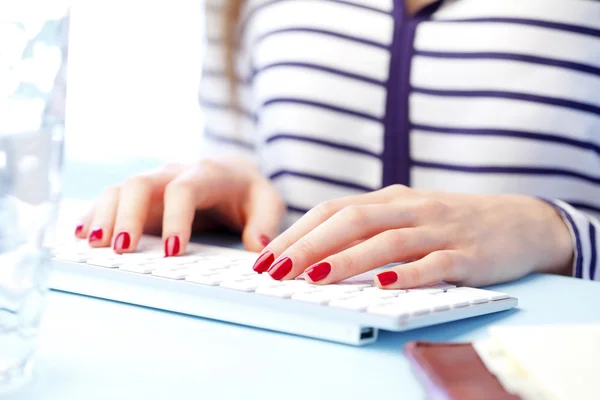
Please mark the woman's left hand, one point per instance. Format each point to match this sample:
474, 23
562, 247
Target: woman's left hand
461, 238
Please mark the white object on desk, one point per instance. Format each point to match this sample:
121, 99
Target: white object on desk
219, 283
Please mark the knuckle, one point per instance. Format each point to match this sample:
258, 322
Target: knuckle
397, 188
209, 165
396, 239
177, 185
355, 215
345, 262
415, 276
431, 207
112, 190
326, 209
171, 166
137, 181
304, 248
446, 262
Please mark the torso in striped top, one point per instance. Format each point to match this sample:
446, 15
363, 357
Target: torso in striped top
343, 97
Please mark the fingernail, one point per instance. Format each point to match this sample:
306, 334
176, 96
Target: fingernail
263, 262
95, 234
281, 268
122, 241
318, 271
387, 278
264, 240
78, 229
171, 246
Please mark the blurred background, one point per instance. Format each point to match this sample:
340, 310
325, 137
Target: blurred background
134, 69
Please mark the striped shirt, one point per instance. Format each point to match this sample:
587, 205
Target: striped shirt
337, 98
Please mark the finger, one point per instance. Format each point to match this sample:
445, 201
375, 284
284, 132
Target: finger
444, 265
136, 197
391, 246
82, 229
308, 222
102, 224
197, 188
350, 224
264, 213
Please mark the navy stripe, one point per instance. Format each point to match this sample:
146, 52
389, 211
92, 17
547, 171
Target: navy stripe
593, 249
321, 142
324, 106
508, 170
6, 310
296, 209
315, 67
574, 105
579, 258
396, 155
584, 206
320, 178
543, 137
223, 139
574, 66
582, 30
322, 32
226, 107
246, 18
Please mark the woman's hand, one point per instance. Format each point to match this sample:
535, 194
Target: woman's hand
176, 198
469, 239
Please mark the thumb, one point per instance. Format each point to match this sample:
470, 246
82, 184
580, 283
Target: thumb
264, 212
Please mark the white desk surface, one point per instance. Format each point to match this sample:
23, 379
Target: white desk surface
95, 349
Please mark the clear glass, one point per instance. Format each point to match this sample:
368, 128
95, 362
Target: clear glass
33, 61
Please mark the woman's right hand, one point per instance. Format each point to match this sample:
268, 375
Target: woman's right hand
177, 199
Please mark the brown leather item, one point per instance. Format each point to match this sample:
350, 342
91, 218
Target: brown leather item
454, 371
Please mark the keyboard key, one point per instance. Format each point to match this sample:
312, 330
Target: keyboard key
283, 290
138, 268
426, 290
180, 273
319, 296
106, 262
246, 285
210, 280
455, 300
73, 257
376, 291
358, 303
479, 295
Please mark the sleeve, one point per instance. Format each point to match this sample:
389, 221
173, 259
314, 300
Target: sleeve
584, 229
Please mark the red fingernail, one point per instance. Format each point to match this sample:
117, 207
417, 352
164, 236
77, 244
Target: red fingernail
318, 271
122, 241
387, 278
95, 234
264, 240
281, 268
171, 246
78, 229
263, 262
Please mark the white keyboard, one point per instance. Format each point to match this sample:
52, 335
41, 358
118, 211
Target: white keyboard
219, 283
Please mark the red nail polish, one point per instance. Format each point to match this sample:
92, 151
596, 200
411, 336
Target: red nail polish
263, 262
171, 246
95, 234
319, 271
122, 241
281, 268
78, 229
264, 240
387, 278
